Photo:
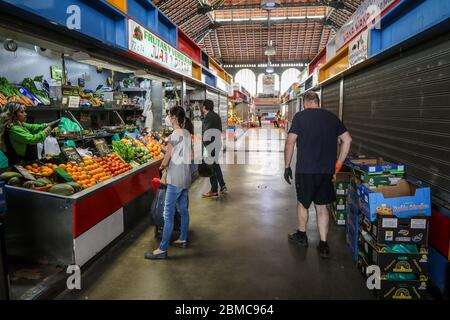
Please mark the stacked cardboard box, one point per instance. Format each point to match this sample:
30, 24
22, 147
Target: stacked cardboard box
392, 228
341, 185
352, 226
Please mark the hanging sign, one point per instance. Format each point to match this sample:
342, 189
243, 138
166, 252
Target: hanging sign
358, 49
369, 12
269, 84
150, 46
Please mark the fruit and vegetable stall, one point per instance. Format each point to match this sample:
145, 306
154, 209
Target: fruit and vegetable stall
65, 209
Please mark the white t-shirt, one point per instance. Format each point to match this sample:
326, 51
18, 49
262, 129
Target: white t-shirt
179, 171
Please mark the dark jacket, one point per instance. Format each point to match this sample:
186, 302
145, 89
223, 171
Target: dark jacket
211, 121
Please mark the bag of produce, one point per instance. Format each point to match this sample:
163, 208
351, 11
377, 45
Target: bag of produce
67, 125
70, 143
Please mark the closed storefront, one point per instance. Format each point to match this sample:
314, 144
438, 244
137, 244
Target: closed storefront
399, 109
330, 97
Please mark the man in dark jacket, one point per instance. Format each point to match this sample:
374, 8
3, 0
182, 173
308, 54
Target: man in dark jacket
212, 126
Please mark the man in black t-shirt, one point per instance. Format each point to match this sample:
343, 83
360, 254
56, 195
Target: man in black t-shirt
316, 132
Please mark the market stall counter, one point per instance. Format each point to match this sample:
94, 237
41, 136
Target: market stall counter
68, 230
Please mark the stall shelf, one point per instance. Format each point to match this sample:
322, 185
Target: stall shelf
68, 230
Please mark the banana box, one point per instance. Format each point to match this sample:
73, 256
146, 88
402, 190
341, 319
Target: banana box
390, 287
393, 230
404, 200
394, 258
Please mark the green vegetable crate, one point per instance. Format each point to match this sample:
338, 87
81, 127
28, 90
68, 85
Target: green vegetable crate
377, 172
339, 216
341, 185
378, 180
342, 182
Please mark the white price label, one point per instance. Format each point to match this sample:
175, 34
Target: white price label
418, 223
74, 102
372, 169
390, 223
340, 192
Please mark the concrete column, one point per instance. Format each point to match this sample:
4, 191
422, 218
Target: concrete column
157, 104
184, 97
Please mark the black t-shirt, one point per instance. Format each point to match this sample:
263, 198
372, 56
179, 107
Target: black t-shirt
317, 130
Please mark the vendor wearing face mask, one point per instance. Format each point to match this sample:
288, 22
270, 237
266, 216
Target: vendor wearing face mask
18, 137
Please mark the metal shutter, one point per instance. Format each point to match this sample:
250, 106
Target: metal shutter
400, 110
214, 97
223, 110
330, 97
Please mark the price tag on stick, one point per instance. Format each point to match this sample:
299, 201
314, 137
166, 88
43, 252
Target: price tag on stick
102, 147
71, 154
24, 172
74, 102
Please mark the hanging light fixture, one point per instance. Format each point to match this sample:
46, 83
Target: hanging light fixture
270, 4
270, 50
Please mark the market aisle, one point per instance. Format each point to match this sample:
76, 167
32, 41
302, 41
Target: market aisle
239, 247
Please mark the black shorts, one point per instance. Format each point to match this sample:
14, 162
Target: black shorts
317, 188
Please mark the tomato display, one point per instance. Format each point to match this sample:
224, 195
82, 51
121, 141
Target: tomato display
112, 164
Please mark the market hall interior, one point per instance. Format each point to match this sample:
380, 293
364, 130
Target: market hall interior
238, 245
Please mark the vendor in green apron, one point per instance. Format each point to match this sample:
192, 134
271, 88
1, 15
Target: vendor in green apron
18, 137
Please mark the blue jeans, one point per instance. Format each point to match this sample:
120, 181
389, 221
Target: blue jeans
216, 179
175, 198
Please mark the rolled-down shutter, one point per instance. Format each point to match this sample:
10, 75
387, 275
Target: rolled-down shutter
214, 97
223, 110
330, 97
400, 110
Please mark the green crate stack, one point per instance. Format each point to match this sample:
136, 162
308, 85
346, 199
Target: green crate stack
339, 208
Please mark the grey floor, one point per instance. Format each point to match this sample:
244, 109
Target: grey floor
239, 247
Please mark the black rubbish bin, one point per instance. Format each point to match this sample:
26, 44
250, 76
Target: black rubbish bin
4, 278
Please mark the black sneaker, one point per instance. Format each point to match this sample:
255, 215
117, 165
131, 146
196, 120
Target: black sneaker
223, 189
299, 238
324, 250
